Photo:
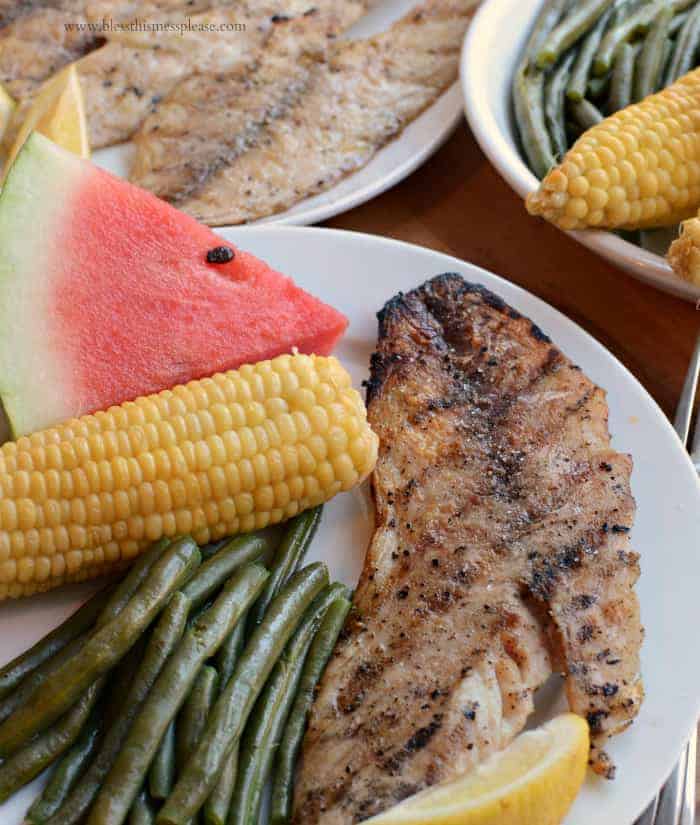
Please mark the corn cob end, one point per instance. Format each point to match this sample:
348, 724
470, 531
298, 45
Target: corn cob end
639, 168
684, 252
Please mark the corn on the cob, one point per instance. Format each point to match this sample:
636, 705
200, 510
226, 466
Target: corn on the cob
639, 168
227, 454
684, 253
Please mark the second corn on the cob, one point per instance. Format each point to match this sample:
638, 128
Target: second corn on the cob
223, 455
639, 168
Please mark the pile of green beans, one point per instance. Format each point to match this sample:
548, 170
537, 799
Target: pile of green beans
586, 60
177, 694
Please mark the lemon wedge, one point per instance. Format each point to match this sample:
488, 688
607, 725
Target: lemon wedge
534, 781
7, 107
58, 112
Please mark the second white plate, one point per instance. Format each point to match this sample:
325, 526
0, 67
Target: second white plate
492, 49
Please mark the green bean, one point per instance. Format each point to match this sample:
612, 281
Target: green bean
102, 650
578, 81
681, 5
264, 728
585, 114
677, 23
554, 98
28, 762
289, 554
134, 578
528, 93
67, 771
118, 596
218, 805
234, 554
38, 677
193, 716
650, 62
169, 692
230, 652
319, 653
211, 549
572, 28
75, 625
231, 711
687, 44
162, 642
547, 19
57, 647
622, 78
598, 86
636, 23
161, 773
142, 811
528, 100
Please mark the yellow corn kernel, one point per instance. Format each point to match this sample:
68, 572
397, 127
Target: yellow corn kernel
227, 454
684, 253
637, 169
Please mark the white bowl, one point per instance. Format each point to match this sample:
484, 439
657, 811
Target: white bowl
492, 49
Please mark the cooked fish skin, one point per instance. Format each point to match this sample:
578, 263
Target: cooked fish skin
362, 97
501, 553
35, 44
233, 108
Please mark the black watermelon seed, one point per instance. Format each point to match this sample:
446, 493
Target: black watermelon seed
220, 255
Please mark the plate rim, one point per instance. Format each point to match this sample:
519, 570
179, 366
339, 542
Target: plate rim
643, 265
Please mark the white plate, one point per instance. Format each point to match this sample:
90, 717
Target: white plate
358, 273
395, 161
492, 49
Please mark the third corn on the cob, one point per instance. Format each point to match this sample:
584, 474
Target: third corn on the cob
684, 253
639, 168
214, 457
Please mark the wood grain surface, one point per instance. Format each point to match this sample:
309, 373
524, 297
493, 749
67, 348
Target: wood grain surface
457, 203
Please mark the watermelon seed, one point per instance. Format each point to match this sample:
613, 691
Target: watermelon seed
220, 255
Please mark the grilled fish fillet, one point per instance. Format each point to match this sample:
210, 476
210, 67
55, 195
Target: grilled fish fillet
350, 106
501, 554
125, 83
34, 42
233, 109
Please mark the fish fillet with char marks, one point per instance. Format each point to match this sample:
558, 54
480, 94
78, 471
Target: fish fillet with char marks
501, 554
233, 109
35, 44
347, 108
126, 84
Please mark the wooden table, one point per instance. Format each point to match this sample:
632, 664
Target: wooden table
458, 204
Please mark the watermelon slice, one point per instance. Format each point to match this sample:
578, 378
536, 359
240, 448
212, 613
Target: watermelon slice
106, 293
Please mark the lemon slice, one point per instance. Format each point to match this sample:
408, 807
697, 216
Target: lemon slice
58, 112
534, 781
7, 107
